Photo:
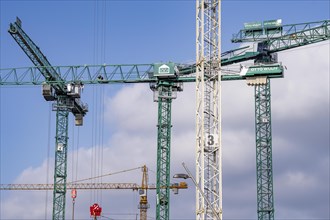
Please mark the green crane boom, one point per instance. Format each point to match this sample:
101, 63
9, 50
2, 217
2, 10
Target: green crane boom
112, 74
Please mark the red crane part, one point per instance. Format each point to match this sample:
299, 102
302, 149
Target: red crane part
95, 210
73, 193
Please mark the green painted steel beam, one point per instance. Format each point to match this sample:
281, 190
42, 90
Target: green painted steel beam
35, 54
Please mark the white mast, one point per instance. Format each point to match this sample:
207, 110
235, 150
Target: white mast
208, 111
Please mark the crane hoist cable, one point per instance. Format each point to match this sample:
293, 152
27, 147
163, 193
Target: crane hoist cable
99, 11
75, 164
104, 175
48, 155
77, 155
72, 154
101, 136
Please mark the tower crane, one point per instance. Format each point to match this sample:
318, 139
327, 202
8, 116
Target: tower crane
78, 185
166, 79
272, 37
67, 99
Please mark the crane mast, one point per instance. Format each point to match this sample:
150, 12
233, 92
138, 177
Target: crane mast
208, 111
263, 135
265, 196
144, 205
163, 149
165, 90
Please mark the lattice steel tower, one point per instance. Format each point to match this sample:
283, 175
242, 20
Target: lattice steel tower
264, 152
208, 112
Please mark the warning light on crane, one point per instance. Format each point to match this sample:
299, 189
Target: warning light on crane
73, 193
95, 210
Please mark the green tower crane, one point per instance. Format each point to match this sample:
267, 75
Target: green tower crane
271, 37
66, 100
164, 92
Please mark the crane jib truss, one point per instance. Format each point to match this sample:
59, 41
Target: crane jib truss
86, 186
109, 74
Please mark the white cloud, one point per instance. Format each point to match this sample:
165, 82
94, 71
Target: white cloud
132, 109
305, 86
239, 151
299, 179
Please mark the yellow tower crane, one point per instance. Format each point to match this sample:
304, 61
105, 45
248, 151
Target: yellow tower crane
78, 185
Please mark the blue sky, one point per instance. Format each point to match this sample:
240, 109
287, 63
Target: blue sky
123, 122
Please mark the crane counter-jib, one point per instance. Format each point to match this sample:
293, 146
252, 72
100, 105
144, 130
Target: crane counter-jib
268, 30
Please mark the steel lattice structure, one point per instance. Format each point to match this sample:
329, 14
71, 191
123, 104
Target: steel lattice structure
163, 150
165, 92
61, 143
265, 206
208, 112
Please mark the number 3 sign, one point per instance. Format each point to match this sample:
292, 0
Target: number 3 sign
211, 140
